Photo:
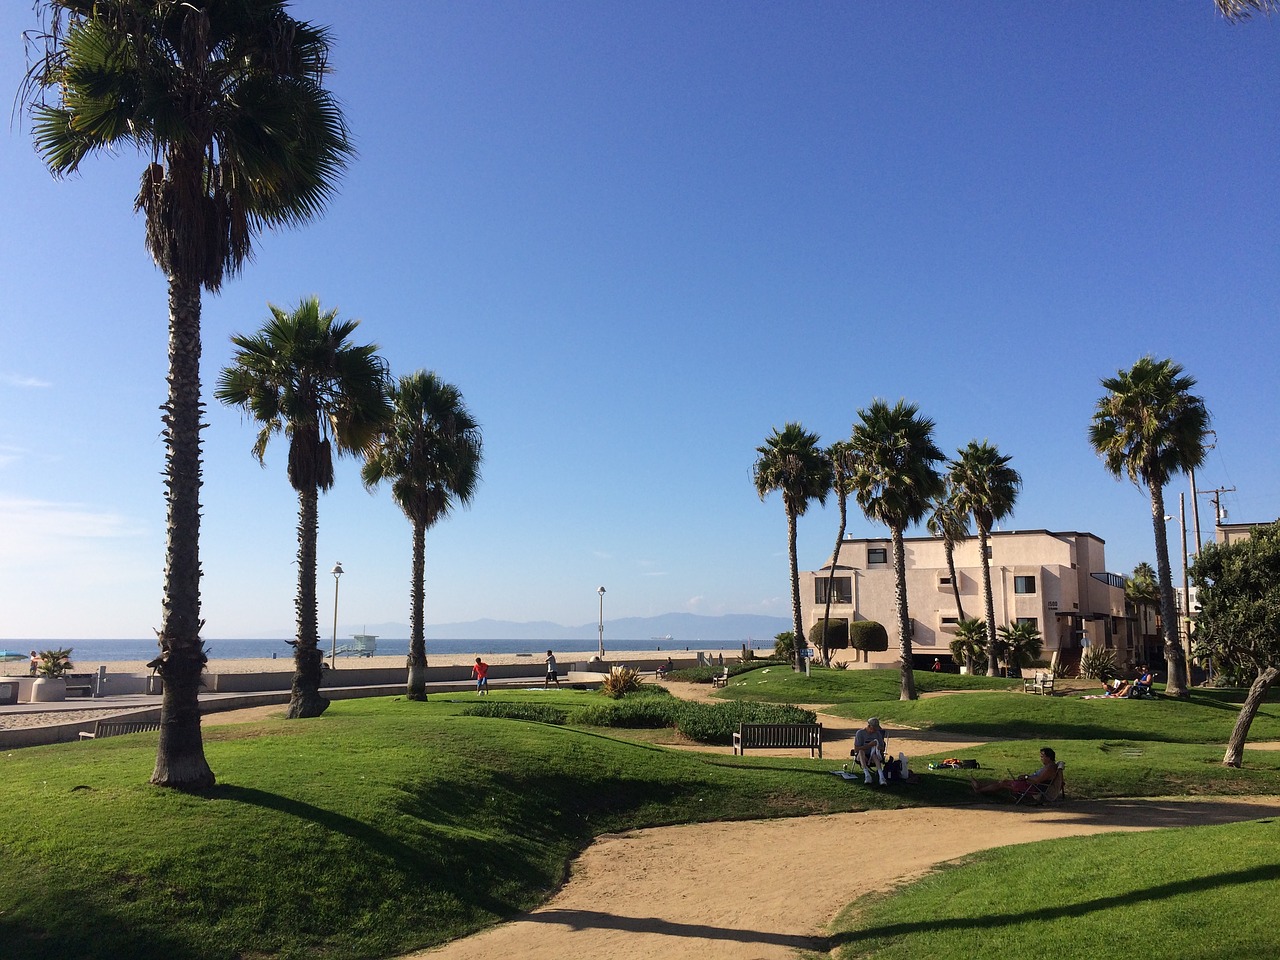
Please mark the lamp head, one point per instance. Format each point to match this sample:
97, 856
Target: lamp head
337, 570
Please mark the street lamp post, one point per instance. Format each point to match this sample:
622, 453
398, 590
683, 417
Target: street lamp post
333, 652
601, 592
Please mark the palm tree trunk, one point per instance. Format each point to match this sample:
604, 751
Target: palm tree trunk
306, 700
989, 601
1235, 745
908, 688
180, 760
796, 619
417, 687
950, 547
1176, 684
835, 559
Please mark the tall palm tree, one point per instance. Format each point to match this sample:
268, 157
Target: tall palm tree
431, 454
1238, 10
841, 456
302, 376
792, 462
951, 524
225, 102
894, 479
1148, 427
985, 487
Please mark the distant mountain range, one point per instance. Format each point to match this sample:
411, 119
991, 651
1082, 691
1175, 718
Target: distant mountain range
683, 628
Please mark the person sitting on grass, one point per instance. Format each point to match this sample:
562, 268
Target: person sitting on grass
1142, 685
1118, 688
1025, 783
869, 747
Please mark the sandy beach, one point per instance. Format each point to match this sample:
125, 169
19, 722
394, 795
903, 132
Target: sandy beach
535, 660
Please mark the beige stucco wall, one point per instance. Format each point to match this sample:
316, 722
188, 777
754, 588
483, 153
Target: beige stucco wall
1060, 562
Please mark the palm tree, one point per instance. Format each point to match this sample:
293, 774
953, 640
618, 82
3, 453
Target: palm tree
1143, 592
985, 487
225, 101
894, 479
1148, 427
1019, 645
970, 643
841, 456
431, 453
302, 376
951, 524
792, 462
1238, 10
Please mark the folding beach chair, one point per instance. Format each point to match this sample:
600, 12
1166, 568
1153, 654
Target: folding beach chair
1042, 793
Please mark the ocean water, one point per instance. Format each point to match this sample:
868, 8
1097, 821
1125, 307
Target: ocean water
108, 651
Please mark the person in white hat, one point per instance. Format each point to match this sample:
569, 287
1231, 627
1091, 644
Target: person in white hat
869, 748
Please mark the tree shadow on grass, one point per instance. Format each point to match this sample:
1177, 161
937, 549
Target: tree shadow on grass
1197, 886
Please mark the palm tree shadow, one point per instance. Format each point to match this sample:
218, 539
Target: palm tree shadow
1197, 886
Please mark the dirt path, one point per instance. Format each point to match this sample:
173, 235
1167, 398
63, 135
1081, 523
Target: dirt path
760, 890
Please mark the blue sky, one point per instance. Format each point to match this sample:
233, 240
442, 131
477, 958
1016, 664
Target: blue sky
638, 237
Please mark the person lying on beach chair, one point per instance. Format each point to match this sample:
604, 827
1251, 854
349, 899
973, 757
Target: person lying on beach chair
1027, 783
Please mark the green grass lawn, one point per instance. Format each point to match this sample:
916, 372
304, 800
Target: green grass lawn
386, 825
1206, 892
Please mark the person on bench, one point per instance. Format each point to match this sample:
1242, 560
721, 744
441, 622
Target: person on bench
869, 747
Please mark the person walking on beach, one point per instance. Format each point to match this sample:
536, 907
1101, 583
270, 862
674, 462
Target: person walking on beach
35, 662
481, 672
551, 671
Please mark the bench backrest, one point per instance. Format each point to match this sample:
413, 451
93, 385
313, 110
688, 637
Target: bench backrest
780, 734
115, 728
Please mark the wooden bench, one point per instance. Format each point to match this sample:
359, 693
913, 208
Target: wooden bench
115, 728
1040, 683
778, 736
80, 683
721, 679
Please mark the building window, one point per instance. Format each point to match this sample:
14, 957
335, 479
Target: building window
877, 555
944, 581
988, 551
841, 590
1024, 584
949, 624
1031, 620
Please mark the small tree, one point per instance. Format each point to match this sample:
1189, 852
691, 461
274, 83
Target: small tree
784, 646
1239, 620
828, 635
970, 645
1018, 645
868, 635
55, 663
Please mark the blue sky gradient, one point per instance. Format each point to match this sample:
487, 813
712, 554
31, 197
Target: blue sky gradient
638, 237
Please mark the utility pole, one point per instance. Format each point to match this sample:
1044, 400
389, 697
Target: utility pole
1216, 496
1195, 499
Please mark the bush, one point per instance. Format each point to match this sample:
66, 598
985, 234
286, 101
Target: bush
1098, 663
54, 663
538, 712
634, 712
836, 630
868, 635
620, 682
717, 723
784, 646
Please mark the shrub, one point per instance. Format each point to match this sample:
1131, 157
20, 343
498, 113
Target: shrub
538, 712
54, 663
717, 723
635, 712
836, 634
620, 682
1098, 663
868, 635
784, 646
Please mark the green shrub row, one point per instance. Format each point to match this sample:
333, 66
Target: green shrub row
538, 712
